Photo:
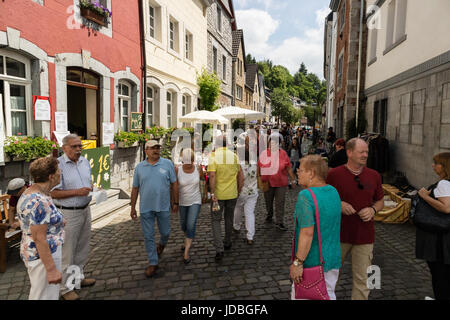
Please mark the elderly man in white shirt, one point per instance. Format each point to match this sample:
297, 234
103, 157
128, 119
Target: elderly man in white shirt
72, 197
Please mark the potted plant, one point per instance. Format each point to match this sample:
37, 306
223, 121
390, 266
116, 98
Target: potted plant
94, 11
156, 132
126, 139
23, 148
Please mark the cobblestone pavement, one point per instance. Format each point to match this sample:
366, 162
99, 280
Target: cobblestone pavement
257, 272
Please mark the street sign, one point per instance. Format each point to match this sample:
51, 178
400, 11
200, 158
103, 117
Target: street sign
99, 159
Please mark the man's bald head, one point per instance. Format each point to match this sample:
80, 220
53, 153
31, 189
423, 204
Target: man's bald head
357, 152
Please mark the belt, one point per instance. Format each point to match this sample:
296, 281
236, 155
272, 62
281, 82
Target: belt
73, 208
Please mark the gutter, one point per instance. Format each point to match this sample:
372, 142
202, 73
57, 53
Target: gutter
143, 68
358, 88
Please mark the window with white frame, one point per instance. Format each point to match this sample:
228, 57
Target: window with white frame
169, 109
149, 112
239, 92
396, 24
219, 18
124, 94
174, 35
224, 68
15, 93
184, 105
154, 13
390, 24
189, 46
373, 44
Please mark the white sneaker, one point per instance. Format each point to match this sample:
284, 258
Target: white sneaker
428, 298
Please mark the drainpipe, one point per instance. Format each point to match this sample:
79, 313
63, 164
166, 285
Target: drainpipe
143, 68
358, 88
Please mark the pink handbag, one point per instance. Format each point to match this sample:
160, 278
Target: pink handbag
313, 285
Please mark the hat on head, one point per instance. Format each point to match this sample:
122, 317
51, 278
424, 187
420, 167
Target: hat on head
151, 144
14, 186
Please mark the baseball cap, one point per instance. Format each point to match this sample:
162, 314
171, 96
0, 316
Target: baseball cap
14, 186
151, 144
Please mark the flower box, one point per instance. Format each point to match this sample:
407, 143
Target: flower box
122, 144
93, 16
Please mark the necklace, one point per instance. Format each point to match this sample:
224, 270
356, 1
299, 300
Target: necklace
356, 173
40, 190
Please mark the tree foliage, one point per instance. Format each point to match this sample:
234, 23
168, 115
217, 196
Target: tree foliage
209, 90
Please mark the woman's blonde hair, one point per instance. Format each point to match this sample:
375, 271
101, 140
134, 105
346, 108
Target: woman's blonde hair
444, 160
187, 154
42, 168
316, 164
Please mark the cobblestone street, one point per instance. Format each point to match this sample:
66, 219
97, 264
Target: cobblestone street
259, 272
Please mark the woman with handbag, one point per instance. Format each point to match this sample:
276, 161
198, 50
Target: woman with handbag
316, 254
190, 198
433, 243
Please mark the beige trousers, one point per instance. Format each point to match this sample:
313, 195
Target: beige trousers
75, 251
40, 288
361, 259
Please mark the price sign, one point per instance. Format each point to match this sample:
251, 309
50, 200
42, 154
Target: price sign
100, 161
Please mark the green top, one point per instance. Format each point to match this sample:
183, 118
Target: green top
330, 223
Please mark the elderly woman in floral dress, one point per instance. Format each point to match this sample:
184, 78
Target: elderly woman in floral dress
249, 195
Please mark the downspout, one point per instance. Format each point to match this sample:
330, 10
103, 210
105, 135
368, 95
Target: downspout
358, 86
143, 68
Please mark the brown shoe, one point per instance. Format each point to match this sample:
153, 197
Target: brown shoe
150, 271
160, 249
87, 283
71, 295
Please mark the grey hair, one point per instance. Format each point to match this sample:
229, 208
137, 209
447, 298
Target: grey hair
351, 144
69, 137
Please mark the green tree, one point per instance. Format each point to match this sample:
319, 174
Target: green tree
209, 91
281, 104
303, 69
250, 59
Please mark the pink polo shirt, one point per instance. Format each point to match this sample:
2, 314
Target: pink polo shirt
273, 168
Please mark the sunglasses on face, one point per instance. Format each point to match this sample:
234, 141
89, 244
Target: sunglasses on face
360, 186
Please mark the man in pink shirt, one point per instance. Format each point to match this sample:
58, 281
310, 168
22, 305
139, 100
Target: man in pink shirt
274, 167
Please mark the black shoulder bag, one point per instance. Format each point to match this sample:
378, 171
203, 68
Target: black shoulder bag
426, 217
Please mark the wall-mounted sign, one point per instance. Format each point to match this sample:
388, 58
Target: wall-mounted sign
61, 121
136, 121
108, 133
42, 108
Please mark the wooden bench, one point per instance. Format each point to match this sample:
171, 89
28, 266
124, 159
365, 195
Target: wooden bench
6, 237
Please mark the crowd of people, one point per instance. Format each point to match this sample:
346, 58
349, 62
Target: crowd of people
55, 218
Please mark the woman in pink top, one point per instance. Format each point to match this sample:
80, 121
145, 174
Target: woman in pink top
274, 167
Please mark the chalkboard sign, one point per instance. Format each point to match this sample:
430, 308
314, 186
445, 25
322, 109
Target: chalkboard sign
136, 121
99, 159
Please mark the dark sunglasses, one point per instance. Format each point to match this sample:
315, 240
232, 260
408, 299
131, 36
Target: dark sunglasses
360, 186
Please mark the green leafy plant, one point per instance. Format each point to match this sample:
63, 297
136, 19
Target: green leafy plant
129, 138
209, 91
28, 148
156, 131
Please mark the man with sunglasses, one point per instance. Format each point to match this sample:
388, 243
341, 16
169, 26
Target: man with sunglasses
72, 197
362, 196
156, 183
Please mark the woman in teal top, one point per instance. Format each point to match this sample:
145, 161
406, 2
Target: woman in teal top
312, 174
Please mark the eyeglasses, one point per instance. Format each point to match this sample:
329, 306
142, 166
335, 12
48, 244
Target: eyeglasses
154, 148
76, 146
360, 186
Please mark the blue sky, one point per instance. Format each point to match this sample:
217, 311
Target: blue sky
284, 31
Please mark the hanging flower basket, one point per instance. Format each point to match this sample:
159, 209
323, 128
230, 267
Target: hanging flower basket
123, 144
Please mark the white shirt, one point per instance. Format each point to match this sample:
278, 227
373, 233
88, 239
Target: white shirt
189, 187
443, 189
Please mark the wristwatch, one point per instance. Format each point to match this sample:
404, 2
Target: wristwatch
297, 262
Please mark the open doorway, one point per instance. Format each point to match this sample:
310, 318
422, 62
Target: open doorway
83, 109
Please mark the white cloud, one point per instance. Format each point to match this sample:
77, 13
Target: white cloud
258, 26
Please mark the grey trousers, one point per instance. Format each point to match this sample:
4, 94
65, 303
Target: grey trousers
75, 250
279, 194
226, 207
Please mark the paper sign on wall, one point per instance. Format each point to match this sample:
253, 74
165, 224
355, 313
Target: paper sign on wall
61, 121
108, 133
42, 109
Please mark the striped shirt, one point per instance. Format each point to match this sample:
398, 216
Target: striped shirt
74, 176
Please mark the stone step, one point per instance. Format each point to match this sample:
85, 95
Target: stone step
112, 194
108, 208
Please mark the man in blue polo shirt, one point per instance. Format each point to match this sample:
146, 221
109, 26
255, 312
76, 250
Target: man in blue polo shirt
156, 183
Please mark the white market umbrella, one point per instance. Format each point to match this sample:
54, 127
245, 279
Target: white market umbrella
240, 113
204, 116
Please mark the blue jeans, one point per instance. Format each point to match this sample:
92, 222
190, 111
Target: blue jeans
188, 219
148, 228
